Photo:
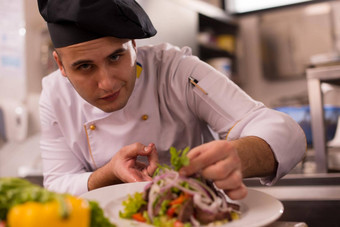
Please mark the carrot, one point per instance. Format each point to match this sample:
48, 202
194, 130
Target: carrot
180, 199
138, 217
171, 211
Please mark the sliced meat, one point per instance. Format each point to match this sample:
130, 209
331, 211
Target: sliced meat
205, 217
158, 205
143, 208
186, 210
146, 194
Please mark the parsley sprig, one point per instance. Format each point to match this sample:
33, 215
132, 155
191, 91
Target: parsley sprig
178, 160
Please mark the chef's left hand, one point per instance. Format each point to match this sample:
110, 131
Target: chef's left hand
128, 169
218, 161
124, 166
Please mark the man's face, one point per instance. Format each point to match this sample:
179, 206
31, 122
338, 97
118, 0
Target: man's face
102, 71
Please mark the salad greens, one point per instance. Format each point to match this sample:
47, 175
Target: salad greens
172, 200
97, 216
178, 160
132, 205
15, 191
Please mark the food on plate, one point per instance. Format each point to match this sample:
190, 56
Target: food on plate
173, 200
25, 204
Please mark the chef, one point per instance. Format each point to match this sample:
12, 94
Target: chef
113, 110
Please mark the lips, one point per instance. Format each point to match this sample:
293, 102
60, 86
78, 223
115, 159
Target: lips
111, 97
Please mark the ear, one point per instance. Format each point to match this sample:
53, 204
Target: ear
134, 44
59, 63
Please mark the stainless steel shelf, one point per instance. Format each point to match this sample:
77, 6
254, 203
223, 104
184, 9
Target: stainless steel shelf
315, 77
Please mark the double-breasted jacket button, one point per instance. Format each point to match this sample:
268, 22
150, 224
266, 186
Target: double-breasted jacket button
93, 127
145, 117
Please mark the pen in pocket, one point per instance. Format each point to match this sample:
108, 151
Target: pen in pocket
194, 82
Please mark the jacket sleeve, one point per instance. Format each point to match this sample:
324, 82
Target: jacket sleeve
63, 171
233, 114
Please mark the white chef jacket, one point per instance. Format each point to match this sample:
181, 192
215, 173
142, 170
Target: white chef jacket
165, 109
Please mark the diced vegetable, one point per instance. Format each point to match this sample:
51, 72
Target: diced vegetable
35, 214
138, 217
180, 199
20, 198
132, 205
172, 200
171, 211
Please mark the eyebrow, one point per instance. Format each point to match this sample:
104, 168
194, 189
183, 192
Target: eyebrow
82, 61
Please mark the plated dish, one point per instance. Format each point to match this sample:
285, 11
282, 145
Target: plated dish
258, 208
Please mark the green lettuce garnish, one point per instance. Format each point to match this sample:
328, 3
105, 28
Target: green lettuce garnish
132, 205
178, 160
98, 217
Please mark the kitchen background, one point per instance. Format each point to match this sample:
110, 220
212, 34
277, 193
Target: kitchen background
265, 52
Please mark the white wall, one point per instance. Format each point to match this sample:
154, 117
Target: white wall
22, 88
35, 40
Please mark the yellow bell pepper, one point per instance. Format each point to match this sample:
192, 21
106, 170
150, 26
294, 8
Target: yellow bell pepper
35, 214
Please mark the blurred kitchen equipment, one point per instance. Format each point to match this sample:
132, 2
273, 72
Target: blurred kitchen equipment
290, 38
2, 127
301, 114
15, 118
325, 58
316, 75
335, 142
221, 64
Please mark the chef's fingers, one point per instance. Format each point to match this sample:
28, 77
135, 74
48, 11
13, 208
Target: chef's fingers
234, 180
129, 177
139, 165
223, 168
206, 155
140, 172
237, 193
136, 174
153, 161
151, 152
144, 169
136, 177
136, 149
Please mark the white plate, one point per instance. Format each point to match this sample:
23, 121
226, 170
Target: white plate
258, 208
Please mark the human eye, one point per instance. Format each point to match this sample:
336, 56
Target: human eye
84, 67
114, 57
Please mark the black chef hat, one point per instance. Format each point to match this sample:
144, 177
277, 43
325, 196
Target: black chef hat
75, 21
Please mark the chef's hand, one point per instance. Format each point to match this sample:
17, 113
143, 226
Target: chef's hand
124, 167
218, 161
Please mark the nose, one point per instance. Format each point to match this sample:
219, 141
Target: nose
106, 80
